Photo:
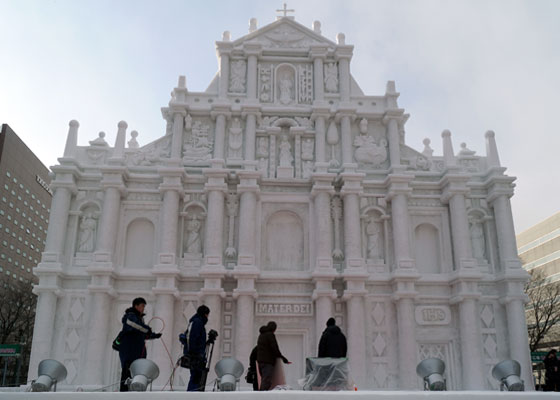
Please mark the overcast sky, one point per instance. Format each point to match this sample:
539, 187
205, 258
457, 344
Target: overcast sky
467, 66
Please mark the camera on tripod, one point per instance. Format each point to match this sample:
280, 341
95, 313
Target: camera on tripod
212, 335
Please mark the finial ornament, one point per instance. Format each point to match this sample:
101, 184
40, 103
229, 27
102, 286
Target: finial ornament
285, 10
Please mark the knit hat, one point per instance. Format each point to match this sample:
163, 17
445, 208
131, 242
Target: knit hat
331, 322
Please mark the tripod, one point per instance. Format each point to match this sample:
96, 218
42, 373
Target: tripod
208, 356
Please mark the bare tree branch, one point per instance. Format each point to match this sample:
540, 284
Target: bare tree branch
543, 309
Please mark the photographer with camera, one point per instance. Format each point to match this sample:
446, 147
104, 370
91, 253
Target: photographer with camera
195, 347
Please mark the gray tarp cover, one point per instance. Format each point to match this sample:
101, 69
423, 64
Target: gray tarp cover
326, 374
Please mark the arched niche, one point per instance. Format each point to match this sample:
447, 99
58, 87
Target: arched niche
139, 250
480, 235
193, 218
285, 84
284, 242
87, 224
427, 249
374, 234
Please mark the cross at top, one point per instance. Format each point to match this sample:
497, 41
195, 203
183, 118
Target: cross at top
285, 10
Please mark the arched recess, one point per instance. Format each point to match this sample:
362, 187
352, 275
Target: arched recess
284, 242
480, 235
374, 234
140, 239
87, 227
193, 219
427, 249
286, 84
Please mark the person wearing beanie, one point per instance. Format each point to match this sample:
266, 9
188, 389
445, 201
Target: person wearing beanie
196, 346
133, 338
267, 354
333, 342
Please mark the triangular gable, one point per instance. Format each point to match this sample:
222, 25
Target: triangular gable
284, 34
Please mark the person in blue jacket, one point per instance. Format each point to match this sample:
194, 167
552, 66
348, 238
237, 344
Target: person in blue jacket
132, 338
196, 346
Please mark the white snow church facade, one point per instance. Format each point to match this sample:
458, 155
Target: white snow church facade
284, 193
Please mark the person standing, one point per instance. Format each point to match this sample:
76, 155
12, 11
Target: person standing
252, 371
552, 373
196, 347
333, 342
267, 354
133, 338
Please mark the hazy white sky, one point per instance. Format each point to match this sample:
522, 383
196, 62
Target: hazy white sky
467, 66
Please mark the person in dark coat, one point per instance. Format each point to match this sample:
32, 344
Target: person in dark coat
552, 374
252, 371
333, 342
196, 347
267, 353
133, 337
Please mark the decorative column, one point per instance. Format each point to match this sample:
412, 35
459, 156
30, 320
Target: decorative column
223, 50
320, 115
166, 271
220, 113
47, 295
177, 139
246, 271
101, 272
250, 113
404, 275
343, 54
517, 329
318, 54
63, 187
252, 51
216, 189
346, 116
323, 272
354, 275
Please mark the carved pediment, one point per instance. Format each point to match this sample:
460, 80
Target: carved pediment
285, 34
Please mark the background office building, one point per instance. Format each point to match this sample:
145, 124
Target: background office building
539, 247
25, 200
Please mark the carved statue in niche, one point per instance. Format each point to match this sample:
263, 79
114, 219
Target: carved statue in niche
87, 234
477, 240
262, 147
193, 242
237, 76
368, 151
331, 78
285, 87
307, 149
373, 232
263, 166
235, 139
286, 157
198, 145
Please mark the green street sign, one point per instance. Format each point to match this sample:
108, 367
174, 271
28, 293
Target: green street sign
10, 350
538, 356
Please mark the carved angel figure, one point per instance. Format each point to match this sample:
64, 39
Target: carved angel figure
193, 244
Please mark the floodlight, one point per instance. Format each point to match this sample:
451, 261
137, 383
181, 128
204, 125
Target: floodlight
228, 370
431, 371
508, 372
143, 372
50, 372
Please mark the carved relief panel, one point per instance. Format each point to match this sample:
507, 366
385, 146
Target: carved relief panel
198, 141
285, 84
235, 141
